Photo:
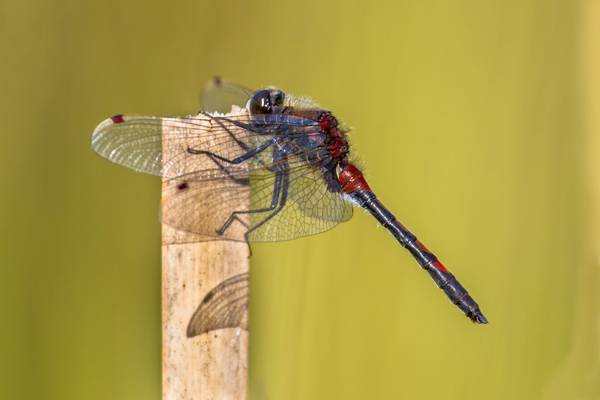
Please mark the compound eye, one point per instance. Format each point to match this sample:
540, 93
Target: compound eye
261, 102
277, 97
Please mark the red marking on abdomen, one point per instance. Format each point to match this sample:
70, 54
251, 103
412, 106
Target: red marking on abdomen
352, 180
421, 247
117, 119
439, 266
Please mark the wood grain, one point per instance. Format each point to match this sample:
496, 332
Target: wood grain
213, 365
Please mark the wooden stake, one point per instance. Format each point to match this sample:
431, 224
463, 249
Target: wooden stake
211, 365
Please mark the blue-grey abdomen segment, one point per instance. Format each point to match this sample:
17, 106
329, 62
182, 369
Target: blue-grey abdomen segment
369, 201
426, 259
457, 294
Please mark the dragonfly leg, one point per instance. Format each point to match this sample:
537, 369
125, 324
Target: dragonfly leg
274, 202
238, 160
239, 142
241, 181
285, 180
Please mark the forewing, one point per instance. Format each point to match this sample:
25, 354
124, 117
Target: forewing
140, 142
135, 142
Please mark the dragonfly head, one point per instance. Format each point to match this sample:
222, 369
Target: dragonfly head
266, 101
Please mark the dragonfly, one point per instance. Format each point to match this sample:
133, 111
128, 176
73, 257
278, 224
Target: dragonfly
259, 166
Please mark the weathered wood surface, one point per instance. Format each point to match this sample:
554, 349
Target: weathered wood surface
212, 365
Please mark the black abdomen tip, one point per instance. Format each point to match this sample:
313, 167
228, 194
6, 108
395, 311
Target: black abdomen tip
478, 317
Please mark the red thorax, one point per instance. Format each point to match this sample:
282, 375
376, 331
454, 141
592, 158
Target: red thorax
335, 138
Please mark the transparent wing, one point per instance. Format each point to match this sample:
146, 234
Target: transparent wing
268, 209
310, 208
193, 204
171, 146
235, 177
225, 306
135, 142
311, 200
220, 96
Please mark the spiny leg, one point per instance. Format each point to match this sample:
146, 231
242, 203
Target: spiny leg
282, 201
240, 143
238, 160
274, 201
241, 181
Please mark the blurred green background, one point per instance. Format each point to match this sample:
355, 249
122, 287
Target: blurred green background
476, 124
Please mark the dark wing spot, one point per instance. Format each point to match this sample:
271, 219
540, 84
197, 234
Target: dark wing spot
117, 119
208, 297
183, 186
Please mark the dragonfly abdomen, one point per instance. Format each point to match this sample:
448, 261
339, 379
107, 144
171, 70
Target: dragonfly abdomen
457, 294
355, 186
